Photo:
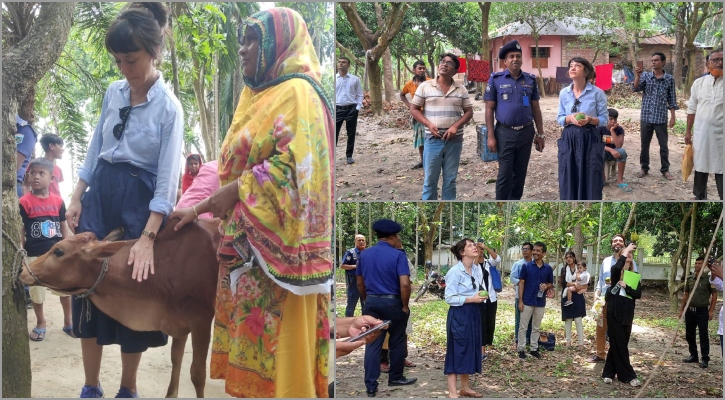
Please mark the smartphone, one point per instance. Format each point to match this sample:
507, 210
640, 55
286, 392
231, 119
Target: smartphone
536, 145
640, 64
369, 332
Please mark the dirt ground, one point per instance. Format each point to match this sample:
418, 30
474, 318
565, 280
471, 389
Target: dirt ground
561, 373
384, 155
57, 366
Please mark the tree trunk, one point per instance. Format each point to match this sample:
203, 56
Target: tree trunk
432, 226
24, 64
485, 44
542, 89
388, 75
679, 46
174, 62
399, 86
630, 220
376, 87
691, 53
682, 235
205, 115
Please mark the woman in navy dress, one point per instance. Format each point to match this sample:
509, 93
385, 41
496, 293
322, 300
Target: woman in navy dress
463, 325
131, 171
582, 108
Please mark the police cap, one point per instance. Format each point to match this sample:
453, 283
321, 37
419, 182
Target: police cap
385, 227
509, 47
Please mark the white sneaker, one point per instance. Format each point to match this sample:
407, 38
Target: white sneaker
607, 380
635, 382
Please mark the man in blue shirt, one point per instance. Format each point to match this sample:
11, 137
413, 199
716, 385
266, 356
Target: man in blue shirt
526, 249
513, 96
348, 102
383, 280
349, 264
535, 278
25, 139
658, 96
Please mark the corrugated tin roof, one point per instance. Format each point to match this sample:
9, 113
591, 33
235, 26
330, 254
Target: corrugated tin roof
568, 26
649, 38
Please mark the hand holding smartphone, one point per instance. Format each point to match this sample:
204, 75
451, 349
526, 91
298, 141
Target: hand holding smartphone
370, 331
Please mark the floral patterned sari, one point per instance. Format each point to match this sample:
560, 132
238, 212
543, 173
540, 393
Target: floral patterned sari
271, 330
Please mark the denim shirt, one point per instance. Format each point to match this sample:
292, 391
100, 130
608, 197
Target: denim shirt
592, 102
152, 139
459, 285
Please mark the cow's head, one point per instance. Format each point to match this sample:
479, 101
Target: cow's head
72, 265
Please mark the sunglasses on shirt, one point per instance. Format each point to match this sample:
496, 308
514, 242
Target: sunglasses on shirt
575, 107
119, 128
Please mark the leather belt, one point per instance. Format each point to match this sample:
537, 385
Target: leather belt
347, 107
516, 128
385, 296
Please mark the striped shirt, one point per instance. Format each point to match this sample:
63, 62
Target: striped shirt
658, 95
442, 110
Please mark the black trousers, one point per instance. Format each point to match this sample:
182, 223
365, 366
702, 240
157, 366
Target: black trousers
488, 322
699, 187
349, 116
697, 318
646, 132
514, 151
385, 309
617, 363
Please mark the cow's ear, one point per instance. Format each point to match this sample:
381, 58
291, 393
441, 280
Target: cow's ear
105, 249
115, 234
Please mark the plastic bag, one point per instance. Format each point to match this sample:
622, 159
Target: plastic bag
688, 162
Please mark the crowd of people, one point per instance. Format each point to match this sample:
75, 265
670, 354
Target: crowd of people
472, 288
440, 107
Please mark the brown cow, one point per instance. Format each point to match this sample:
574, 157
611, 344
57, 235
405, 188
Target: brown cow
178, 299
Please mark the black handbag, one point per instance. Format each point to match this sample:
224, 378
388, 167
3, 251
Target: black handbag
547, 341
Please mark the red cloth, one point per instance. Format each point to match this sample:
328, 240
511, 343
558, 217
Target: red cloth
604, 76
479, 71
462, 69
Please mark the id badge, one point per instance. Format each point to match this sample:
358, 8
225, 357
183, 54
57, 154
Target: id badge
526, 101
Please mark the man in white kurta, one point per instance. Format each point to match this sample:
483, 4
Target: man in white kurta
705, 112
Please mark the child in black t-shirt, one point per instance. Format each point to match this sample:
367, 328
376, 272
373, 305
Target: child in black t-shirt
614, 150
44, 225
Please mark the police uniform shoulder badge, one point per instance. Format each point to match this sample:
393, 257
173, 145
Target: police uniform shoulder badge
505, 96
488, 88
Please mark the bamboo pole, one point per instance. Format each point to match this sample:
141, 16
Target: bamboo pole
599, 239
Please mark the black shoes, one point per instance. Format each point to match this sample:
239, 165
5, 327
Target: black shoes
371, 394
522, 355
403, 382
535, 353
690, 359
703, 364
350, 160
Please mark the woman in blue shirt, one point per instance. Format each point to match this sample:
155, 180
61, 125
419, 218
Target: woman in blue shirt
132, 170
463, 325
582, 108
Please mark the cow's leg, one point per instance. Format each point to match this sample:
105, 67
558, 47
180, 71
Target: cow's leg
200, 339
177, 355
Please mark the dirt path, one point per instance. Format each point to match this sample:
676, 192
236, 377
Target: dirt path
562, 373
57, 366
384, 156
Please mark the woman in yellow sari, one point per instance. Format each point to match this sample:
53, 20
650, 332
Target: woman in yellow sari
271, 329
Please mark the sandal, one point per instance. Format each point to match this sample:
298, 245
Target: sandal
642, 173
625, 187
668, 176
472, 393
69, 331
39, 334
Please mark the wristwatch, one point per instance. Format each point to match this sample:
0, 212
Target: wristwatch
540, 136
149, 234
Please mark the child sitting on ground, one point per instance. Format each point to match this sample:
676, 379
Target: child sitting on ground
44, 225
614, 150
581, 279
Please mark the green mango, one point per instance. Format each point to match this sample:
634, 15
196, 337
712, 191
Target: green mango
580, 116
483, 293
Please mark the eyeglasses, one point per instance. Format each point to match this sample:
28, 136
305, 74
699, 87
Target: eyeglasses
716, 60
575, 107
118, 129
447, 64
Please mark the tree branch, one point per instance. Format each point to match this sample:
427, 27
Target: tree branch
348, 53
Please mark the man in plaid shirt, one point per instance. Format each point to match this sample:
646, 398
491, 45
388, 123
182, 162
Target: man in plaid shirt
658, 96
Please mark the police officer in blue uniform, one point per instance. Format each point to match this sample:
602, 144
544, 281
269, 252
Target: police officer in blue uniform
349, 264
512, 97
383, 279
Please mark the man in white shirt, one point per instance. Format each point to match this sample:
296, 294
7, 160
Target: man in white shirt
348, 102
705, 108
605, 271
716, 282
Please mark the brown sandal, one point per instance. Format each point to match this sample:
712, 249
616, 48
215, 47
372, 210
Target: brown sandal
470, 394
668, 176
641, 173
